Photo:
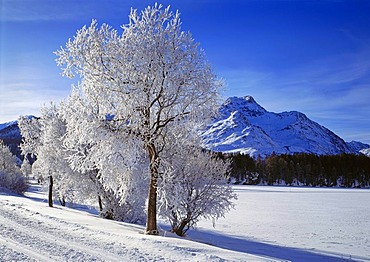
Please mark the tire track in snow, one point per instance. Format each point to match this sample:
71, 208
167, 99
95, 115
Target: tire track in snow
61, 233
49, 246
24, 252
44, 237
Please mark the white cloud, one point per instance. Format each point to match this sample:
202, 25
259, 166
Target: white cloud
25, 87
21, 98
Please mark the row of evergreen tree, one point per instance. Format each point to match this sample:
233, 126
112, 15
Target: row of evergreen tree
345, 170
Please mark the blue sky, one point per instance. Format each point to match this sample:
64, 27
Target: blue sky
304, 55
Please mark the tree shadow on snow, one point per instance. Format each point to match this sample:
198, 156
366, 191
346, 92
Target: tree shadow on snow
270, 251
35, 192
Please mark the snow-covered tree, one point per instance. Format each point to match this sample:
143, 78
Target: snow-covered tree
43, 138
10, 174
31, 131
83, 160
111, 164
26, 168
51, 154
193, 184
147, 80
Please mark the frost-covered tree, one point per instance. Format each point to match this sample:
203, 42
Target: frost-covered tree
31, 131
51, 154
10, 174
83, 160
43, 138
100, 157
194, 184
26, 168
148, 79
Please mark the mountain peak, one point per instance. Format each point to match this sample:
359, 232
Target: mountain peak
250, 99
245, 104
241, 100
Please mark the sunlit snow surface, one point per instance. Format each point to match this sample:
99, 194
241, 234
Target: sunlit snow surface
268, 224
365, 151
298, 224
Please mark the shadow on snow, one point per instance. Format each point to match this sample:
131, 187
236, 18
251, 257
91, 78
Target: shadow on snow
270, 251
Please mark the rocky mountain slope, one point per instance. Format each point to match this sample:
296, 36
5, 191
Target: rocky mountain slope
246, 127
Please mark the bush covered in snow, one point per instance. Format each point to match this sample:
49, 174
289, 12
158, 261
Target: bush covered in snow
194, 186
10, 174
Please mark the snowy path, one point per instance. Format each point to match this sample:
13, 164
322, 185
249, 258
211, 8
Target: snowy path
34, 235
31, 231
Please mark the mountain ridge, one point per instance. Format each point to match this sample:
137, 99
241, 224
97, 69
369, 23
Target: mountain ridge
11, 136
244, 126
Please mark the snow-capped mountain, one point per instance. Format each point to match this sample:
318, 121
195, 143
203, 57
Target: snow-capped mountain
365, 151
11, 136
246, 127
10, 131
5, 125
356, 146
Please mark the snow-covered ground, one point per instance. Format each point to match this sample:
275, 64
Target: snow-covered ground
31, 231
298, 224
268, 224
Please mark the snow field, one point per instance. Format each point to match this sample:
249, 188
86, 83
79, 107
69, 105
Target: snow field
298, 224
268, 224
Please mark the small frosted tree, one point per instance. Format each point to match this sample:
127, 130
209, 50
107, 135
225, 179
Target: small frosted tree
26, 168
30, 128
10, 174
43, 138
148, 79
193, 184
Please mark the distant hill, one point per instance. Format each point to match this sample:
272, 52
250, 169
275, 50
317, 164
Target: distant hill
246, 127
11, 136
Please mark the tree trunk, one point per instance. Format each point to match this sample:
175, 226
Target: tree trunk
50, 191
180, 230
62, 201
151, 223
100, 204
